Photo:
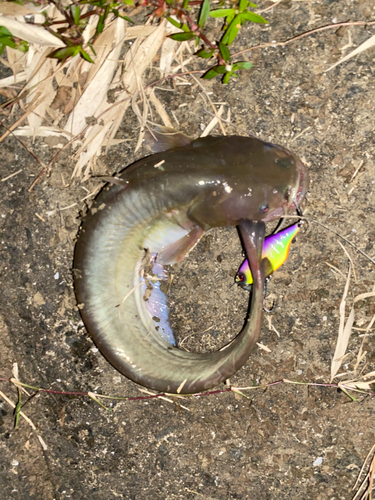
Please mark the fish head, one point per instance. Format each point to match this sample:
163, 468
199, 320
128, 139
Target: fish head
252, 180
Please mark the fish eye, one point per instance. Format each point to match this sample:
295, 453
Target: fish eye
264, 209
240, 277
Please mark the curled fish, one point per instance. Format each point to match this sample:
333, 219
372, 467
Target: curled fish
155, 212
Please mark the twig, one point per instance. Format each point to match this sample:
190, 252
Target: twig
302, 35
339, 385
268, 8
11, 175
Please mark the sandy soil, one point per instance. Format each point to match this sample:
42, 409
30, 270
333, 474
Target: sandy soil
289, 441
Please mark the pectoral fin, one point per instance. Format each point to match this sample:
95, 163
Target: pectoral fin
176, 251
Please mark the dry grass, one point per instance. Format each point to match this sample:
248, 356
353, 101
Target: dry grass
370, 42
82, 102
359, 382
71, 100
365, 487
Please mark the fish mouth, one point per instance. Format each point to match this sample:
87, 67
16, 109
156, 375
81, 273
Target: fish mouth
303, 185
297, 192
295, 196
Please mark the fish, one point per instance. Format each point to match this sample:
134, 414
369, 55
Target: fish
275, 252
154, 212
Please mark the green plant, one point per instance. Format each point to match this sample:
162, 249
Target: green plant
235, 17
7, 40
77, 21
190, 16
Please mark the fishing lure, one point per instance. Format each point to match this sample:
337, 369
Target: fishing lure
159, 208
275, 249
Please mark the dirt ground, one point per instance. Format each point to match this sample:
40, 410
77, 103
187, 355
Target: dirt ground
289, 441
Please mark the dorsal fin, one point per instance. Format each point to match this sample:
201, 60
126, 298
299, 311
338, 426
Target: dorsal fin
161, 139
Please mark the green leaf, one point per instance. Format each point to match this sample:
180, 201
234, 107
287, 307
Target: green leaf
8, 42
233, 35
204, 13
222, 12
127, 19
225, 54
226, 78
243, 65
220, 69
182, 37
230, 19
253, 5
63, 53
4, 32
254, 18
210, 74
349, 395
100, 25
185, 5
74, 9
216, 70
23, 46
174, 22
92, 48
85, 55
17, 409
129, 2
117, 14
243, 18
232, 30
243, 5
204, 54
